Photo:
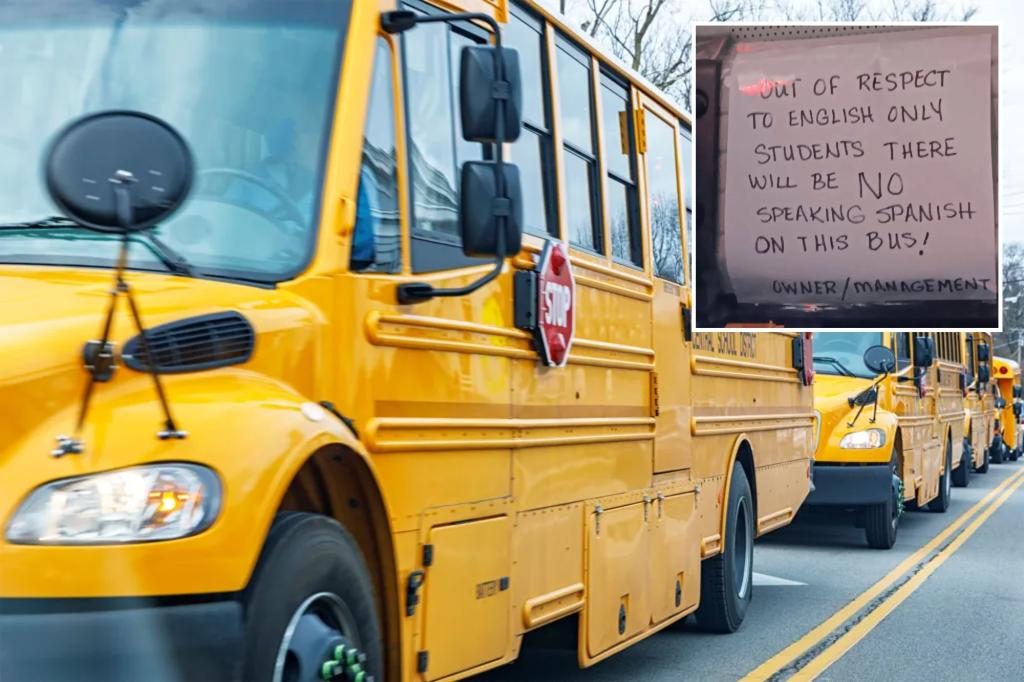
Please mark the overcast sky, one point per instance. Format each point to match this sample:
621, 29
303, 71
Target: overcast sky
1009, 14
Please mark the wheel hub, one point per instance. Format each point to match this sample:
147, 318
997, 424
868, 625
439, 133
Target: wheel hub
320, 643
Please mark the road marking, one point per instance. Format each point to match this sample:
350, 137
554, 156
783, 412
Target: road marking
801, 646
765, 580
838, 648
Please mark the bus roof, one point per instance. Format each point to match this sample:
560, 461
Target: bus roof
1012, 367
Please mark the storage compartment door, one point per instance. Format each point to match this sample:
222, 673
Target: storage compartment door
674, 556
466, 596
617, 602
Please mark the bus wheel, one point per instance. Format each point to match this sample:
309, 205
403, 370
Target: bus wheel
962, 475
882, 520
983, 469
726, 580
941, 502
310, 594
997, 452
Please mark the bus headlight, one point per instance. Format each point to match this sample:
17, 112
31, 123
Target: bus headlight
869, 439
140, 504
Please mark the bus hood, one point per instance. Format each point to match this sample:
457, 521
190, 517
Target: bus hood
48, 314
832, 403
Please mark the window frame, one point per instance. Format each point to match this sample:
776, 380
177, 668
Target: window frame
388, 42
545, 136
430, 250
686, 176
575, 51
651, 107
632, 185
897, 336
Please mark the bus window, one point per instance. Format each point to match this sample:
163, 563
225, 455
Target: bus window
663, 199
574, 99
970, 356
436, 147
376, 242
685, 145
902, 350
532, 152
620, 190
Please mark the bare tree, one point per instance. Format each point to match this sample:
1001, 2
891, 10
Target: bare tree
648, 35
653, 36
1010, 341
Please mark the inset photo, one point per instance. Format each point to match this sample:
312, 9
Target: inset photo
846, 176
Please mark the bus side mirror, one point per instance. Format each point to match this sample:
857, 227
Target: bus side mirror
983, 352
480, 91
880, 360
924, 351
1000, 402
480, 204
983, 373
490, 190
1017, 408
1017, 390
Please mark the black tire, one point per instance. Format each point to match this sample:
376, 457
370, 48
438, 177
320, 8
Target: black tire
962, 475
881, 521
940, 504
726, 580
307, 555
983, 469
996, 451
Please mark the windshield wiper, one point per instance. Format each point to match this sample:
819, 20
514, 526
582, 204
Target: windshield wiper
173, 260
843, 369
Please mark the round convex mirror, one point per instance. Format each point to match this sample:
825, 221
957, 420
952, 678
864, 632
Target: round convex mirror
89, 157
880, 360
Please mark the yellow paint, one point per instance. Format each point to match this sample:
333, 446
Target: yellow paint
980, 401
819, 632
855, 634
1006, 374
465, 440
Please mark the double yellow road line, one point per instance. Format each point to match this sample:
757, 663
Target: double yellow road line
809, 656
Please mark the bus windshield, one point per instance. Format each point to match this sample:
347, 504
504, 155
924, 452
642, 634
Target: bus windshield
249, 84
842, 353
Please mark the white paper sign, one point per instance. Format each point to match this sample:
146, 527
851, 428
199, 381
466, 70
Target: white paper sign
860, 171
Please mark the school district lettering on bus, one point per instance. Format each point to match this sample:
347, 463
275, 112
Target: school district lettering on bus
860, 166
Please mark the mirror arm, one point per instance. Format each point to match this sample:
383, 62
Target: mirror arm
398, 21
417, 292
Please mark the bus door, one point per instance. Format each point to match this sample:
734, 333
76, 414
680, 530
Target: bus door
434, 375
663, 184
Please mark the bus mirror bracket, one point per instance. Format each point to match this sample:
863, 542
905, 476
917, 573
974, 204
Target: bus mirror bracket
490, 202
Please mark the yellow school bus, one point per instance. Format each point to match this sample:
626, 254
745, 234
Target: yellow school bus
885, 439
979, 401
946, 388
372, 402
1006, 374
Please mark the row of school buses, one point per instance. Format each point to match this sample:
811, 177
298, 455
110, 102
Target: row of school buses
902, 417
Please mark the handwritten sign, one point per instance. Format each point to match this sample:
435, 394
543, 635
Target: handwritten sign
860, 170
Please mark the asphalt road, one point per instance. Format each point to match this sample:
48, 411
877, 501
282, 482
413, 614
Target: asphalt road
956, 613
